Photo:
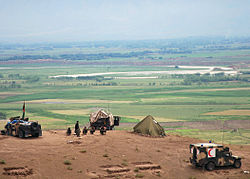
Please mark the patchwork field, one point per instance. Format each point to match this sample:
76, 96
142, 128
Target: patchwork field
172, 87
231, 113
7, 94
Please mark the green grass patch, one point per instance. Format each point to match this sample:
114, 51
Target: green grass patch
241, 136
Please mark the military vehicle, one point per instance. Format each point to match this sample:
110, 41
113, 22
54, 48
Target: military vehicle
22, 128
101, 119
210, 155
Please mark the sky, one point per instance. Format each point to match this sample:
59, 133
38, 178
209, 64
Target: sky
92, 20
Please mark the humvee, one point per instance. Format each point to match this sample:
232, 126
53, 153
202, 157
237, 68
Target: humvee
23, 128
101, 119
210, 155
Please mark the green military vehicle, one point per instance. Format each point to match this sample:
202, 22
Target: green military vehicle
210, 155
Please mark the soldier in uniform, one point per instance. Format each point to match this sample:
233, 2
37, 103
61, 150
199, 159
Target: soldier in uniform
92, 130
68, 131
85, 130
76, 126
103, 130
78, 132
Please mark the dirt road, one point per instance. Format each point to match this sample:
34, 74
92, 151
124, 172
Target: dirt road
119, 154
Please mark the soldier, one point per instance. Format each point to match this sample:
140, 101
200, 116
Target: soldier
8, 129
85, 130
76, 126
68, 131
103, 130
92, 130
78, 132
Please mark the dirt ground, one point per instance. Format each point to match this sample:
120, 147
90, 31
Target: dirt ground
118, 154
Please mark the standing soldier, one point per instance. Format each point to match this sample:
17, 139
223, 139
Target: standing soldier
78, 132
76, 126
77, 129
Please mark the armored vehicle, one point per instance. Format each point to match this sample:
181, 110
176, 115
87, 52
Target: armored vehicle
210, 155
23, 128
101, 119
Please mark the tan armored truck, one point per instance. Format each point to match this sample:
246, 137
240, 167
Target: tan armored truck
101, 118
22, 128
210, 155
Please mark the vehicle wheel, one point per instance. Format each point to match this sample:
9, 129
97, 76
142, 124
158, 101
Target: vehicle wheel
15, 133
210, 166
237, 164
21, 134
10, 132
35, 135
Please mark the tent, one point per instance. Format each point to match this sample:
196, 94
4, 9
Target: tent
149, 126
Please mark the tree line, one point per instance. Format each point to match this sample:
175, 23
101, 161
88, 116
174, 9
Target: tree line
219, 77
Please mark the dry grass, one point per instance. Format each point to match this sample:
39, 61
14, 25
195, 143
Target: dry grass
72, 112
2, 123
230, 113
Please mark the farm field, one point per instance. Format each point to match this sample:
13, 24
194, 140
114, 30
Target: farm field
195, 87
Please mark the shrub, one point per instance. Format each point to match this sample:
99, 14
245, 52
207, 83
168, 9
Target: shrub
67, 162
139, 175
124, 163
70, 168
83, 151
136, 170
136, 149
105, 155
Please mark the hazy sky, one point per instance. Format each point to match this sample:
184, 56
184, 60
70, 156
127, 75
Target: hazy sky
87, 20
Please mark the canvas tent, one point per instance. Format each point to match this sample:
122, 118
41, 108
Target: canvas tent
101, 114
149, 126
